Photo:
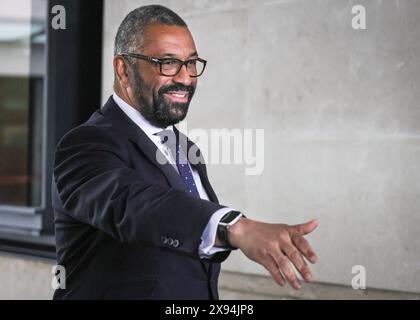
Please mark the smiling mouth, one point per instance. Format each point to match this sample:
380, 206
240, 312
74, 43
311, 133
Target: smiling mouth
178, 96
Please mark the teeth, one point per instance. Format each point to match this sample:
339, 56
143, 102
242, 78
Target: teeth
179, 95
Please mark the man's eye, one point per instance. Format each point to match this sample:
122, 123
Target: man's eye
170, 62
192, 62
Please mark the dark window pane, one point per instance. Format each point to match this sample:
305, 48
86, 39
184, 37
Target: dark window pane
22, 71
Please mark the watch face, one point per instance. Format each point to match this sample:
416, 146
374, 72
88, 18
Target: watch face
230, 216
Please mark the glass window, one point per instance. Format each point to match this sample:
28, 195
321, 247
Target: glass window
22, 73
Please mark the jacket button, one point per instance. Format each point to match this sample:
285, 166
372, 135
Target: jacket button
164, 240
170, 241
176, 243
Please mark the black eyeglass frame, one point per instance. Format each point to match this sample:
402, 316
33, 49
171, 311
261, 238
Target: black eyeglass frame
161, 61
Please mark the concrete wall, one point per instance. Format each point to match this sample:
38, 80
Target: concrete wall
339, 109
23, 278
340, 112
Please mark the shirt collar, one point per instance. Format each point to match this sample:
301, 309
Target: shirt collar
138, 118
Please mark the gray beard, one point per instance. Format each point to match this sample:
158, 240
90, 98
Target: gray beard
159, 112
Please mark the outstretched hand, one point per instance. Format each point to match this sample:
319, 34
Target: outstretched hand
276, 247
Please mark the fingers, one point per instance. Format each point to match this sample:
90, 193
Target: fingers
272, 267
305, 248
287, 270
282, 250
306, 228
296, 258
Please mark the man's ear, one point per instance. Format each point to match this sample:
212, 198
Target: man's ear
121, 71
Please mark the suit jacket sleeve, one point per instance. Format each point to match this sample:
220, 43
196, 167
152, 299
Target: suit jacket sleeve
97, 187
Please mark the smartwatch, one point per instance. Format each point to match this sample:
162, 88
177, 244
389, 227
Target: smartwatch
228, 220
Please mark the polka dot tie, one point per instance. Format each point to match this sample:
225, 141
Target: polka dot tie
169, 140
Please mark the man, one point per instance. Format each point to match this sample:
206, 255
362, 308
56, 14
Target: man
130, 226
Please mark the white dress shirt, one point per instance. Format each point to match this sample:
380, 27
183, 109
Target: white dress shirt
208, 237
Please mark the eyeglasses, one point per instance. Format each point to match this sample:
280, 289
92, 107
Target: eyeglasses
170, 67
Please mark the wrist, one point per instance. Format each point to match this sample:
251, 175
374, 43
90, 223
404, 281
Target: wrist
236, 232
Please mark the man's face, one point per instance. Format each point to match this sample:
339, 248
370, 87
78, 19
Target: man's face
164, 100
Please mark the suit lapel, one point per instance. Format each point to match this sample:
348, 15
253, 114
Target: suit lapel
200, 166
124, 124
121, 122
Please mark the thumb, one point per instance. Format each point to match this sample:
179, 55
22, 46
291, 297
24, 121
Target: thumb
306, 227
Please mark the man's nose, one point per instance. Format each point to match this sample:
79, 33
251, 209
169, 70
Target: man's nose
183, 76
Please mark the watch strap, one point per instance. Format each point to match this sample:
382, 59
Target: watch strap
228, 220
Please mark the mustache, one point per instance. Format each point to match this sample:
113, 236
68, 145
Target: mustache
176, 87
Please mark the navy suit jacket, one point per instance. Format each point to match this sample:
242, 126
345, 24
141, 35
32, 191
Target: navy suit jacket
126, 227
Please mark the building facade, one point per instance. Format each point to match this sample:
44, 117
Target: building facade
338, 106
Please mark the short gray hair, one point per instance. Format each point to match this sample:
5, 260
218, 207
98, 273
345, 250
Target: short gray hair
129, 36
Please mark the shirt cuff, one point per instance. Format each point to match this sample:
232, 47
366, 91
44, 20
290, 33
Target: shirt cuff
207, 248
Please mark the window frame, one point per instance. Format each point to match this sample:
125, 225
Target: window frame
71, 92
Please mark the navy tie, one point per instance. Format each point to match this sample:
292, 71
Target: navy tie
169, 140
